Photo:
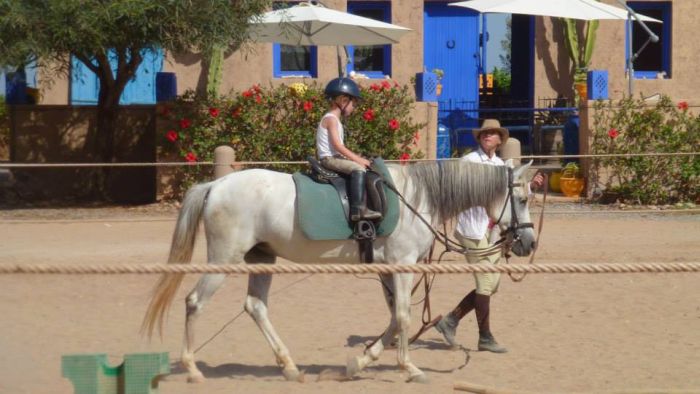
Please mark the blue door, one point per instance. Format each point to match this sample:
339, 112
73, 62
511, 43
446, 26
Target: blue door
451, 43
141, 89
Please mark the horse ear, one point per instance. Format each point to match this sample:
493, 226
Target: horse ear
518, 172
509, 163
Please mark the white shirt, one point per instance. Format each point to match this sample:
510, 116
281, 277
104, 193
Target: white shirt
323, 145
474, 222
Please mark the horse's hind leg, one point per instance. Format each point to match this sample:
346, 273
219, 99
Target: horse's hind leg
358, 363
256, 306
205, 288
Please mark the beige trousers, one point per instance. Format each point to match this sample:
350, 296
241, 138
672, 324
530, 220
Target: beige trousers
339, 164
486, 283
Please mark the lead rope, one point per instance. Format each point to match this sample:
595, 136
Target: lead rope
500, 246
519, 278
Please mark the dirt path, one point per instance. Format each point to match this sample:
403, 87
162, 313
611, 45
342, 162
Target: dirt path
564, 333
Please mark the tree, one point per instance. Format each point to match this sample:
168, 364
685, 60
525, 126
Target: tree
505, 45
48, 31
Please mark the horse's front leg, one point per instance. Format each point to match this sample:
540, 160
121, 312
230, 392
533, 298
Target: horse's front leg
205, 288
256, 306
358, 363
402, 298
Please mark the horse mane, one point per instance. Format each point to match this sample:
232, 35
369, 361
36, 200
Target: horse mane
452, 186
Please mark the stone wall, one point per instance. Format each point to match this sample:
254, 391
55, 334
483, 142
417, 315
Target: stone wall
66, 134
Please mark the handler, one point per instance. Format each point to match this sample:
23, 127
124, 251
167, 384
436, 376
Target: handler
473, 226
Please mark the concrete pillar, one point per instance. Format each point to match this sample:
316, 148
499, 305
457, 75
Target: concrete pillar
511, 149
224, 157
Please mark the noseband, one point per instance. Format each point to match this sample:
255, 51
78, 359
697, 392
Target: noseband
514, 224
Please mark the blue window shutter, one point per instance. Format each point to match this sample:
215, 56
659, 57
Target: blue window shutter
141, 89
2, 84
84, 85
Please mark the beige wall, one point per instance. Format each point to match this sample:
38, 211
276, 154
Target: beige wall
552, 64
253, 64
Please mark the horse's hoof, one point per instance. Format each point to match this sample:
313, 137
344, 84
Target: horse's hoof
352, 367
196, 378
419, 378
293, 375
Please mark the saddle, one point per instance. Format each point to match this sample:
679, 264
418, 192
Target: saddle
374, 190
323, 206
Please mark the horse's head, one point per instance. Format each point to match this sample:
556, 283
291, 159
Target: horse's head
513, 216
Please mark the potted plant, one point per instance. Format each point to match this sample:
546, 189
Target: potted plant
571, 181
439, 73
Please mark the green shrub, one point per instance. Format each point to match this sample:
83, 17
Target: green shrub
630, 126
279, 124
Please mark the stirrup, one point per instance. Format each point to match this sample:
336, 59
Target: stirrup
365, 214
369, 214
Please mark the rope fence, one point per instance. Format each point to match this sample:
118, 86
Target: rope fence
570, 268
266, 163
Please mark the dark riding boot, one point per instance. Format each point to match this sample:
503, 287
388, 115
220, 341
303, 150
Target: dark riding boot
482, 304
447, 326
358, 207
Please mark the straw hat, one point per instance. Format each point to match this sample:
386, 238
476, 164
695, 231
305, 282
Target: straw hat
492, 124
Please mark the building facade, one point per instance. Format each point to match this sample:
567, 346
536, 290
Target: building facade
451, 39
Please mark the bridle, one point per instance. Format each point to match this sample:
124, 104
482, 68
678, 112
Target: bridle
514, 224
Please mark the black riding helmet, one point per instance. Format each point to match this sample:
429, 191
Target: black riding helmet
342, 86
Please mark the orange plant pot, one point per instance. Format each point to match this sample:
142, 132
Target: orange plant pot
582, 90
555, 182
572, 187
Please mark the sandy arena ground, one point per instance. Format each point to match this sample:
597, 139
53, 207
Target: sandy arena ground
565, 333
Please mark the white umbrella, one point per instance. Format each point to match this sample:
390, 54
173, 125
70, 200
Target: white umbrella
574, 9
310, 24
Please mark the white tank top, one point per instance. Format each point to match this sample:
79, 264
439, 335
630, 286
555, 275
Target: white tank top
323, 145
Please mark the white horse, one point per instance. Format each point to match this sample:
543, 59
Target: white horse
250, 217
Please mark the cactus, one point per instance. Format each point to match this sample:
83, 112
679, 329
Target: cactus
580, 51
216, 60
580, 48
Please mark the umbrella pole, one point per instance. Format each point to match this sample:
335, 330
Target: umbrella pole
342, 67
340, 62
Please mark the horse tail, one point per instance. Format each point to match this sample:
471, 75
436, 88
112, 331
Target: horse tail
181, 249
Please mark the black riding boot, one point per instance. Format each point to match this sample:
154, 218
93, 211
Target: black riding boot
358, 207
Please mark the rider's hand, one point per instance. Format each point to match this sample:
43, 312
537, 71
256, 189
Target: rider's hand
364, 162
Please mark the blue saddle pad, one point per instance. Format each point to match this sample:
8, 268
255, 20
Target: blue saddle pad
320, 212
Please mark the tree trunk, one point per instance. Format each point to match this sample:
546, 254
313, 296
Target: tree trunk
111, 89
106, 133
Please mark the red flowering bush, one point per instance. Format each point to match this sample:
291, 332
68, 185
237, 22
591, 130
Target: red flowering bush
279, 124
633, 126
